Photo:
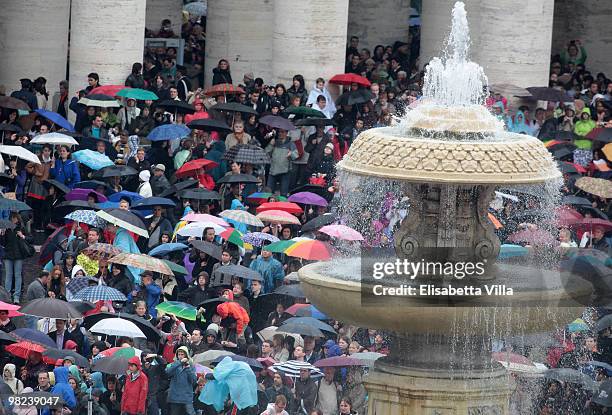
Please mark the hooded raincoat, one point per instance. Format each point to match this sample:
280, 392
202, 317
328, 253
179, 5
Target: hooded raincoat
62, 387
182, 379
134, 399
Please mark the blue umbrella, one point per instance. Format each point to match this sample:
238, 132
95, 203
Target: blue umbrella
311, 311
92, 159
149, 202
108, 205
168, 132
99, 292
86, 216
510, 251
56, 119
133, 197
34, 336
165, 249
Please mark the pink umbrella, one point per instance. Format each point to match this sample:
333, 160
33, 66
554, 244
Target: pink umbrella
82, 194
11, 308
204, 217
342, 232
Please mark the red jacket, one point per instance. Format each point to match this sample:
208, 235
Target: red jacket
134, 399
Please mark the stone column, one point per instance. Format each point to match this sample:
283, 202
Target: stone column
158, 10
33, 42
309, 39
378, 22
242, 34
107, 38
511, 43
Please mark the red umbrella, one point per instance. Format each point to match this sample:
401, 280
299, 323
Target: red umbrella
533, 237
223, 89
566, 216
295, 307
288, 207
594, 133
111, 90
587, 224
511, 358
24, 348
191, 167
348, 79
339, 361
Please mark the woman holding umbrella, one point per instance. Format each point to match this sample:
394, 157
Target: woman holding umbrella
65, 170
37, 192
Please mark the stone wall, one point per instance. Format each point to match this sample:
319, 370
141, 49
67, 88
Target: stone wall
378, 22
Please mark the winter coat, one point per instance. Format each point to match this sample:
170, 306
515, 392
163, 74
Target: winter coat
299, 92
155, 373
279, 162
327, 166
221, 76
12, 243
159, 184
306, 393
121, 283
315, 151
40, 173
182, 380
135, 390
66, 172
231, 140
135, 81
62, 387
194, 295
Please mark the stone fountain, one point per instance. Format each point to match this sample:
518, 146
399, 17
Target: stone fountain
447, 157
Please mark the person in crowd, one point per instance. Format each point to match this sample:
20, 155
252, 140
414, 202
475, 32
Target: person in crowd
14, 254
65, 170
182, 383
221, 74
135, 390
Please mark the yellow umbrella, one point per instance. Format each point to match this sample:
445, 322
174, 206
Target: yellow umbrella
607, 150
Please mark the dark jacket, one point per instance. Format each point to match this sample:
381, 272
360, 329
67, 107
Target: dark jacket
326, 166
306, 391
82, 119
300, 92
121, 283
158, 184
135, 81
67, 336
221, 76
26, 96
87, 132
12, 243
315, 151
194, 295
155, 373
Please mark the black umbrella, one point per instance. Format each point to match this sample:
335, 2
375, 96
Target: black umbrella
562, 136
10, 128
83, 306
360, 96
208, 248
233, 107
313, 188
237, 358
596, 213
311, 321
209, 124
603, 396
92, 184
199, 194
114, 365
238, 178
564, 144
13, 103
568, 168
275, 121
210, 307
604, 136
571, 376
542, 93
69, 206
176, 106
314, 122
238, 271
115, 171
178, 186
57, 184
563, 153
79, 360
150, 202
120, 217
604, 323
50, 307
247, 153
144, 325
319, 222
575, 200
300, 328
292, 290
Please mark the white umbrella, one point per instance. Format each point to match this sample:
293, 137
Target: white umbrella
19, 152
55, 139
269, 332
117, 327
196, 8
368, 357
196, 229
210, 355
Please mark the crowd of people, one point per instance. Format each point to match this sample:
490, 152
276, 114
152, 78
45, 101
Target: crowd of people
194, 169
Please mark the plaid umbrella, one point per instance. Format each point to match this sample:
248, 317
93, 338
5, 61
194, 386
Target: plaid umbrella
242, 216
101, 250
278, 216
257, 238
77, 284
99, 292
124, 219
594, 186
292, 368
178, 308
142, 261
223, 89
86, 216
247, 153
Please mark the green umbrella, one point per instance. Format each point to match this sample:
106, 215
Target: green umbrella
179, 309
176, 268
279, 246
304, 112
137, 93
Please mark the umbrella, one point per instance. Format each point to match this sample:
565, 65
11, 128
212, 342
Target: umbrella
269, 332
308, 198
145, 326
124, 219
80, 283
247, 153
83, 194
83, 306
50, 307
233, 107
509, 89
99, 100
54, 139
34, 336
57, 354
137, 93
280, 246
319, 222
587, 224
571, 168
603, 135
86, 216
242, 216
24, 348
263, 197
368, 357
538, 237
191, 167
348, 79
126, 352
603, 396
199, 194
165, 249
11, 308
275, 121
208, 248
233, 236
257, 238
19, 152
311, 321
311, 311
131, 196
604, 323
99, 292
238, 178
571, 376
302, 111
288, 207
515, 362
196, 8
315, 122
13, 205
339, 361
253, 363
6, 224
566, 216
310, 250
111, 365
238, 271
594, 186
179, 309
58, 185
176, 268
176, 106
360, 96
292, 368
209, 356
575, 200
117, 327
223, 89
92, 184
291, 290
548, 94
577, 325
209, 124
278, 216
150, 202
142, 261
607, 150
13, 104
92, 159
108, 90
115, 171
10, 128
168, 132
201, 370
204, 217
6, 338
196, 229
342, 232
101, 250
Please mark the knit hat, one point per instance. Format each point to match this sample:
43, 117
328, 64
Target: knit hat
330, 146
213, 327
144, 175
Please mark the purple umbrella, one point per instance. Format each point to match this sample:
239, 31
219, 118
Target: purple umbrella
308, 198
82, 194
